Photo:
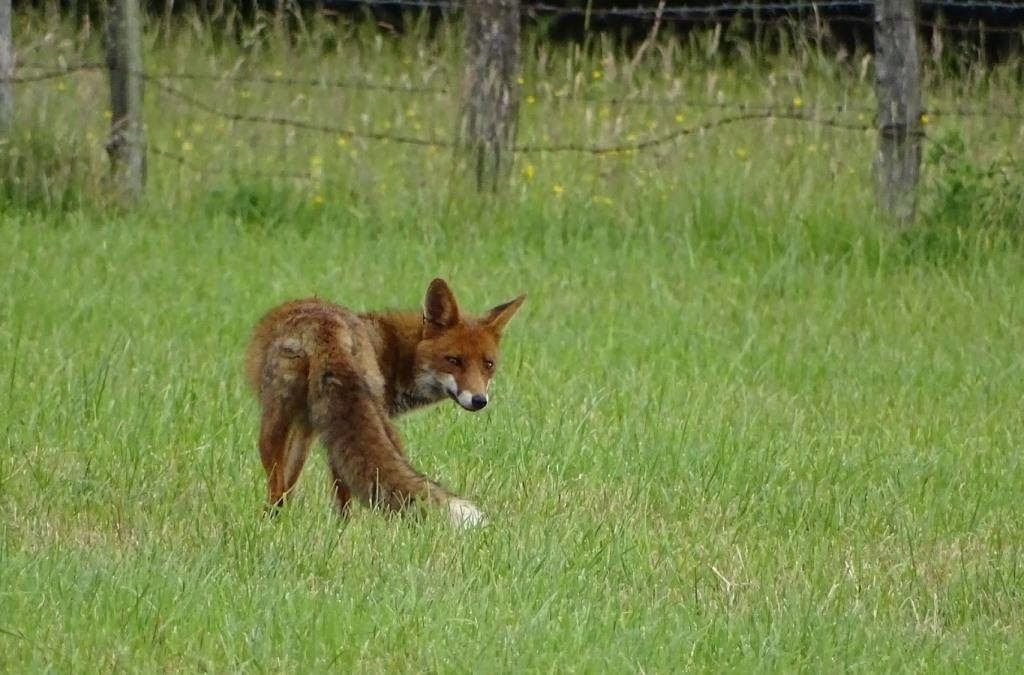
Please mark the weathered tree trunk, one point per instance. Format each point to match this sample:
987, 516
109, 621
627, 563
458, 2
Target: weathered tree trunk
127, 143
490, 100
898, 89
6, 68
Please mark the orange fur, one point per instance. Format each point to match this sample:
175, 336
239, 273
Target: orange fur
319, 369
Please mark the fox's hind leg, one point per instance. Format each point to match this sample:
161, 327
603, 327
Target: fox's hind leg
285, 435
300, 438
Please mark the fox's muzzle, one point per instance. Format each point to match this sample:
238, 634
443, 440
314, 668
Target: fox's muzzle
464, 398
469, 400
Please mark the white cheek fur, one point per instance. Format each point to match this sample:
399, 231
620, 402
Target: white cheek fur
448, 382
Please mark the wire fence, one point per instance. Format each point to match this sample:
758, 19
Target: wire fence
839, 116
835, 116
827, 115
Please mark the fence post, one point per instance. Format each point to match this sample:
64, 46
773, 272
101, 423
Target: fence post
490, 99
898, 90
6, 68
127, 143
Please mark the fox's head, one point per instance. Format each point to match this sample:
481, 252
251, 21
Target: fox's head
458, 355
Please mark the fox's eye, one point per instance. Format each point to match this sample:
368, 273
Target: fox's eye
454, 360
488, 364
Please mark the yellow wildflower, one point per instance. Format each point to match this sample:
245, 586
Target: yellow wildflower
741, 153
597, 74
558, 190
529, 171
925, 119
186, 146
530, 100
798, 102
342, 141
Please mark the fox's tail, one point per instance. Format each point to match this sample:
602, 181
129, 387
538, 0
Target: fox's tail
363, 450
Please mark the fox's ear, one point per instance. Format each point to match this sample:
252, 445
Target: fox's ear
440, 311
500, 315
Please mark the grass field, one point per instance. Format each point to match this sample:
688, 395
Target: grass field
740, 425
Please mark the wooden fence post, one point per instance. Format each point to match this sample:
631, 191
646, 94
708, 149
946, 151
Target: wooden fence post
898, 89
490, 98
127, 143
6, 68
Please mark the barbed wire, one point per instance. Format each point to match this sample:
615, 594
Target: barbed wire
673, 102
527, 148
662, 139
345, 83
307, 125
53, 73
50, 73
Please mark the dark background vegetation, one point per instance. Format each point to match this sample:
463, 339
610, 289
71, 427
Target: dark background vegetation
991, 32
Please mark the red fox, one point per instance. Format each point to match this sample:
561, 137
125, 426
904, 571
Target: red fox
320, 369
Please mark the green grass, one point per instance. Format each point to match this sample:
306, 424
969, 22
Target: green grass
739, 425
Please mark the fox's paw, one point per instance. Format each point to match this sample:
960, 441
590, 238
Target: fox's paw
464, 515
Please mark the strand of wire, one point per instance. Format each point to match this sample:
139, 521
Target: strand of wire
653, 141
523, 148
276, 120
627, 100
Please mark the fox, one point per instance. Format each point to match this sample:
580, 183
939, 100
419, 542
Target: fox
320, 370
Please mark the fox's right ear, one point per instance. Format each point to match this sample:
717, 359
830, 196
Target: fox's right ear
440, 311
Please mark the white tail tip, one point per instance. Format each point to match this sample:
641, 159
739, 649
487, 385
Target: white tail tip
464, 515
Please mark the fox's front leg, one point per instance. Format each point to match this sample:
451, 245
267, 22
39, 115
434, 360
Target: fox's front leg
364, 453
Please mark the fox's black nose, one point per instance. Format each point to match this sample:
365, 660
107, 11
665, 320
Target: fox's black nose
478, 401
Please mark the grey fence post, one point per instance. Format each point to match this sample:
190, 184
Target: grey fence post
127, 143
898, 89
6, 68
490, 99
